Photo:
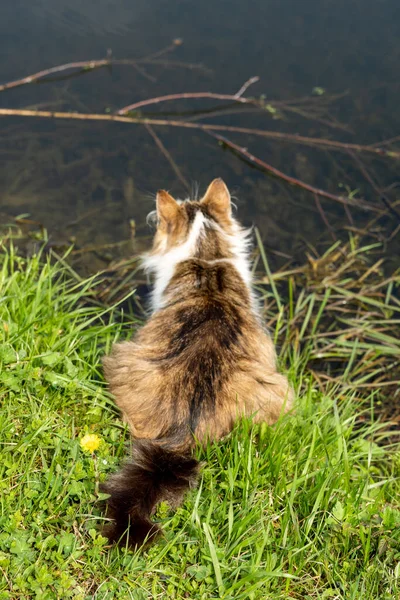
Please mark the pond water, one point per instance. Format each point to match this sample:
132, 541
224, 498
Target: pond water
86, 180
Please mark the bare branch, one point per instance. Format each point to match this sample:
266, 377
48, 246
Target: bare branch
272, 135
324, 217
246, 85
170, 48
91, 65
359, 202
168, 156
182, 96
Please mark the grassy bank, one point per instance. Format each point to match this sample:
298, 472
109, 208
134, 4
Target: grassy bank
307, 509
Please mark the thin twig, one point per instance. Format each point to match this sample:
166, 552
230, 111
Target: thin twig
319, 100
91, 65
85, 65
220, 112
374, 186
306, 115
176, 64
324, 217
349, 215
193, 95
344, 175
389, 141
144, 73
170, 48
182, 96
245, 86
168, 156
273, 135
392, 186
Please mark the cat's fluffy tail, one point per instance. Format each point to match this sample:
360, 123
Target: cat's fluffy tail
155, 472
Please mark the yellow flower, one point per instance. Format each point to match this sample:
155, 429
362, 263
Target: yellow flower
90, 442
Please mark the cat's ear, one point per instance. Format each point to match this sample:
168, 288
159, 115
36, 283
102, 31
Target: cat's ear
218, 199
167, 207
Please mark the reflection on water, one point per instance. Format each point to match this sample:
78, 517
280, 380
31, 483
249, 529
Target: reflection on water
87, 180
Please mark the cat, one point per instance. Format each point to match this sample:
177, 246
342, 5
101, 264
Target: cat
202, 360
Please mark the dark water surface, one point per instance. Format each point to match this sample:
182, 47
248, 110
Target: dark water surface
87, 180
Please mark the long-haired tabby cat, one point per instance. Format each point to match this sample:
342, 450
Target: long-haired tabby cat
202, 360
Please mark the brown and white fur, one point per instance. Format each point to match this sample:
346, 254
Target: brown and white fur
202, 360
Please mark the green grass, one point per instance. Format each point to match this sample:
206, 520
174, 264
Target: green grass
309, 508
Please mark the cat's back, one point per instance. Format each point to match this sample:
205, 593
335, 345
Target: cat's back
199, 340
207, 311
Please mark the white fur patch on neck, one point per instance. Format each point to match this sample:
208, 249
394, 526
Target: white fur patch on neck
240, 242
163, 265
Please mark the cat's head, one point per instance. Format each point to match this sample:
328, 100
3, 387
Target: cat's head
178, 222
203, 230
